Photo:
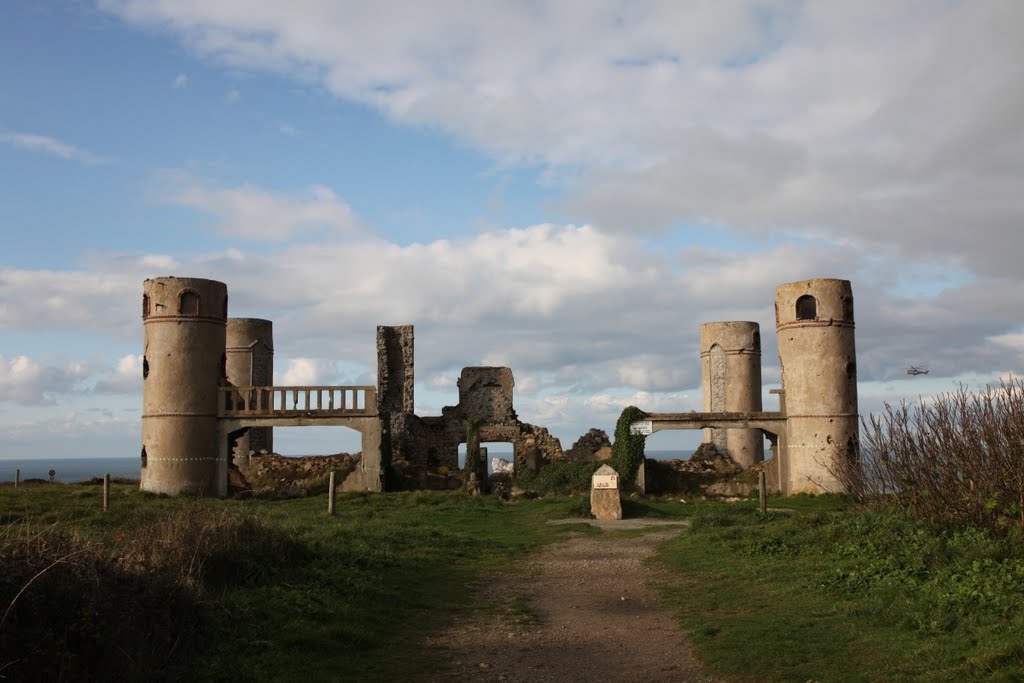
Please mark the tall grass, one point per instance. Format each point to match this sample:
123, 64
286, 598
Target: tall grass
121, 608
954, 459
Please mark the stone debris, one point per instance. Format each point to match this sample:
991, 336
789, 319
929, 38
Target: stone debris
501, 466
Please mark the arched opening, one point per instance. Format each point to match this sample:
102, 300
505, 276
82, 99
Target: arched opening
224, 366
225, 306
145, 367
755, 340
143, 457
851, 370
145, 305
806, 308
188, 303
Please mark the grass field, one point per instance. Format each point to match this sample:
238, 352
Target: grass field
277, 590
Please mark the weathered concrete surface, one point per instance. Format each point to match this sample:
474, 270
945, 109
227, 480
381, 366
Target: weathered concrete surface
815, 326
730, 355
184, 362
250, 363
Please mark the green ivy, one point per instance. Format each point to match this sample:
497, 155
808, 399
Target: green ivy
628, 449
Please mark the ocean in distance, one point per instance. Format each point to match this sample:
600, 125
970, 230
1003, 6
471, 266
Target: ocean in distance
69, 470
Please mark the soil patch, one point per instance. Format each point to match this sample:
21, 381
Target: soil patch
583, 609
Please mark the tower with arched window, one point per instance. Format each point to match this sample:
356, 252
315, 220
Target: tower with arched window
250, 363
814, 321
730, 361
183, 365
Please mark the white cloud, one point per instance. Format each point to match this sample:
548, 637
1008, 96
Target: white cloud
898, 125
290, 131
24, 380
233, 96
126, 377
180, 81
48, 145
300, 372
256, 213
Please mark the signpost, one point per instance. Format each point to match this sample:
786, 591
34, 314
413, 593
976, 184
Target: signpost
642, 427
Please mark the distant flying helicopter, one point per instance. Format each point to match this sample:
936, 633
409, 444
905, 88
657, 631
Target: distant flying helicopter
914, 371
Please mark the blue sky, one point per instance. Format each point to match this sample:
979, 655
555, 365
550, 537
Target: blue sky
568, 189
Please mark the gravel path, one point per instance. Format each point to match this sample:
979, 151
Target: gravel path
581, 610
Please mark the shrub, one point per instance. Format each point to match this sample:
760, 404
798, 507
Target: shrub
628, 449
956, 458
122, 609
558, 477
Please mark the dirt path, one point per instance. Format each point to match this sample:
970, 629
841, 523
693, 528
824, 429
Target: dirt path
581, 610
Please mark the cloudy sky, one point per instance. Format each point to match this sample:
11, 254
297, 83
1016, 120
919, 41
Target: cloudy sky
567, 188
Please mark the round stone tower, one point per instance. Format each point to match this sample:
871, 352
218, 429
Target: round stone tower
250, 353
183, 365
730, 362
814, 319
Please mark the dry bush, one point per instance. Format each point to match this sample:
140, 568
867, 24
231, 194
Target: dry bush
124, 609
956, 458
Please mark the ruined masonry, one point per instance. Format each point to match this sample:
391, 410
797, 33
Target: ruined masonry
208, 397
208, 400
815, 429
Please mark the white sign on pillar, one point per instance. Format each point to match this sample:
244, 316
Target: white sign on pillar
643, 428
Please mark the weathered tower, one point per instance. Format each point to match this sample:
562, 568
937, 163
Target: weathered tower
183, 366
814, 319
250, 363
730, 361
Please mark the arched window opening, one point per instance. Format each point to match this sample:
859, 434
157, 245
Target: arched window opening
188, 303
806, 308
847, 307
756, 340
143, 457
223, 366
145, 305
145, 367
851, 369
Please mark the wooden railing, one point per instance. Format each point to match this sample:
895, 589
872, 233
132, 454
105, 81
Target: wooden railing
296, 401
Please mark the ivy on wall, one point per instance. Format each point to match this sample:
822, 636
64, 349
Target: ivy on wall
628, 449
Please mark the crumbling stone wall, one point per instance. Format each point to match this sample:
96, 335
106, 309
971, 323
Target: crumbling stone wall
589, 446
485, 394
395, 377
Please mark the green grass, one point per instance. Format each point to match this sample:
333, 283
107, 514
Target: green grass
826, 594
813, 591
368, 583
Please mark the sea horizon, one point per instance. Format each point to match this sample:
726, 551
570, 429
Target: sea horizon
70, 470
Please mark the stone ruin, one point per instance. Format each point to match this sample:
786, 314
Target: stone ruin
209, 406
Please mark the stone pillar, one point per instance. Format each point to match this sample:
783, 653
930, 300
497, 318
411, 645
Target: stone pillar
250, 363
184, 365
730, 358
395, 381
605, 501
814, 319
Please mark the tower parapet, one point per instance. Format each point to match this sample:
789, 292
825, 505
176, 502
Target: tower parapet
730, 360
815, 326
184, 362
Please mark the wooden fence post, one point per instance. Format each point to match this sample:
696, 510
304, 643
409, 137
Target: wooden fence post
106, 491
330, 495
762, 494
17, 477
